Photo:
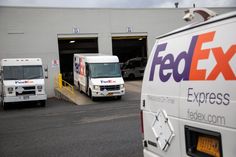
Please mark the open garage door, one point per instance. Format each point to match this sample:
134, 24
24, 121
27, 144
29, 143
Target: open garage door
127, 47
68, 46
132, 52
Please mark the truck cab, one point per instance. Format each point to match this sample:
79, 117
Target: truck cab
22, 80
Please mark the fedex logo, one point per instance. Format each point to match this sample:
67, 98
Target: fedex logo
22, 82
192, 57
108, 81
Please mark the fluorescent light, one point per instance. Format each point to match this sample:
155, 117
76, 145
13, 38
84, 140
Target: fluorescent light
72, 41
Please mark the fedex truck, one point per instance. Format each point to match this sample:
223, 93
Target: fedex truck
98, 76
188, 99
22, 80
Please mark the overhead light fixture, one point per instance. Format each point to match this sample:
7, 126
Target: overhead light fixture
72, 41
140, 39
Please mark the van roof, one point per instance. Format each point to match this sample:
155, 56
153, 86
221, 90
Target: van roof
194, 25
21, 61
98, 58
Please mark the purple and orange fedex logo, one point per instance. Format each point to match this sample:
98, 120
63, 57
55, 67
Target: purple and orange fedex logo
192, 57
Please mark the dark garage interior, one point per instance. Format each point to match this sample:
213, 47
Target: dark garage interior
68, 47
123, 47
129, 47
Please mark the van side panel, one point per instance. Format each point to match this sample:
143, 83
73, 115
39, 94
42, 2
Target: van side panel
192, 77
80, 71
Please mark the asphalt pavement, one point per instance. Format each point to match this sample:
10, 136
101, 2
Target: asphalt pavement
106, 128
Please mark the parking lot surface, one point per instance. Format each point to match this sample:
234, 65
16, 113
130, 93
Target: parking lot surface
103, 128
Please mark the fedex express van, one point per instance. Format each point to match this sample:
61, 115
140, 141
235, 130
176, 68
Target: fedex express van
98, 76
188, 100
22, 80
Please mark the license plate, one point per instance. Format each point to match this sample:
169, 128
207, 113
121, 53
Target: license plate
209, 146
109, 94
25, 97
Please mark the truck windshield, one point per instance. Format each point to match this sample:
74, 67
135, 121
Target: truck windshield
104, 70
22, 72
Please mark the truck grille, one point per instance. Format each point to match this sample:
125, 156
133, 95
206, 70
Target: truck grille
110, 88
27, 90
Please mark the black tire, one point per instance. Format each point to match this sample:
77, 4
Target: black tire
90, 95
118, 97
4, 105
43, 103
93, 98
79, 89
131, 77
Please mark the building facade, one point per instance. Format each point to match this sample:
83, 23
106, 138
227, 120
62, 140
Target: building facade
38, 32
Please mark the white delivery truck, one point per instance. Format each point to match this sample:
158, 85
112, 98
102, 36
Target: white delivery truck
98, 76
188, 100
22, 79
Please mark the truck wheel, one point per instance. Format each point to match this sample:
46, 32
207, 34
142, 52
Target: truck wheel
118, 97
43, 103
79, 89
93, 98
90, 95
131, 76
4, 105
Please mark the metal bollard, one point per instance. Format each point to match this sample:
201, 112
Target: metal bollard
60, 80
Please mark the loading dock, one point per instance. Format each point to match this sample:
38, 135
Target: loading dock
127, 46
68, 46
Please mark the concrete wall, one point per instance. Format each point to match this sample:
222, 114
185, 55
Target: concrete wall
33, 32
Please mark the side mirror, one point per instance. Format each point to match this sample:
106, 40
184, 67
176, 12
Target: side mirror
1, 72
46, 72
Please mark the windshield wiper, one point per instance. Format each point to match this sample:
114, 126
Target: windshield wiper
106, 76
34, 77
10, 78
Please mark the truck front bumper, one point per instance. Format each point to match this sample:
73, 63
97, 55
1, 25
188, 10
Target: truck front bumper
25, 98
106, 93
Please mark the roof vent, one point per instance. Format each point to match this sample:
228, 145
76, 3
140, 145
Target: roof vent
205, 13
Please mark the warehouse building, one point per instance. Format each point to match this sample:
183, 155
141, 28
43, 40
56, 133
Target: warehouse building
55, 34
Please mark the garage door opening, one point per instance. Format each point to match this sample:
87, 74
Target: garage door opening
68, 47
127, 47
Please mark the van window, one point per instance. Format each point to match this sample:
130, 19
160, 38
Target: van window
137, 63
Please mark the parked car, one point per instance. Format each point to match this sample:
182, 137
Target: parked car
134, 68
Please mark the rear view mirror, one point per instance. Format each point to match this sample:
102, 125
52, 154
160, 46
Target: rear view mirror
1, 71
46, 72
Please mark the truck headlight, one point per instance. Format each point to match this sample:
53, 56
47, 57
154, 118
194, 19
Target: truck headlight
122, 86
10, 90
40, 88
96, 87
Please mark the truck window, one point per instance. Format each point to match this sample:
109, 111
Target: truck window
22, 72
104, 70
